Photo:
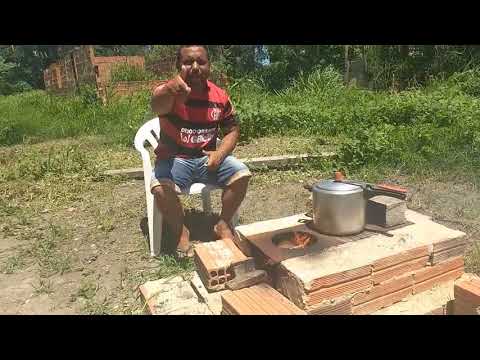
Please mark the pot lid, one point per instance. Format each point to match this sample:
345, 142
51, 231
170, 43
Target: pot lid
332, 185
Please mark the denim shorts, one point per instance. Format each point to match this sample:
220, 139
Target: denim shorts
185, 172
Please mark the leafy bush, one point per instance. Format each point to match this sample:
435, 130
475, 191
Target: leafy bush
437, 125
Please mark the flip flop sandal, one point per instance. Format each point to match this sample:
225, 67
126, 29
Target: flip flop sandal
185, 254
230, 226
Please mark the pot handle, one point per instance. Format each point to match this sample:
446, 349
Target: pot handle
375, 191
308, 187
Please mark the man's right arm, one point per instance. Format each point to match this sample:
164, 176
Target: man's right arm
162, 100
164, 96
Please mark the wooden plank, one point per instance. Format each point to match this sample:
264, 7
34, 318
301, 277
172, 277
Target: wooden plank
259, 162
133, 173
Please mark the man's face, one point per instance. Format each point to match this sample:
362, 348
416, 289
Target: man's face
198, 67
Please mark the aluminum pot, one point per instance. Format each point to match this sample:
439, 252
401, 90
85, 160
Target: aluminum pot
338, 208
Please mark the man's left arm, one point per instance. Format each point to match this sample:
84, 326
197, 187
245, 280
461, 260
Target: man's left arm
231, 130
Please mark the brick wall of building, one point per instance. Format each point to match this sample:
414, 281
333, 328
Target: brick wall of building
82, 67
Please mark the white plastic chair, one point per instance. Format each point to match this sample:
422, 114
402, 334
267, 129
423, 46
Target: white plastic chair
155, 219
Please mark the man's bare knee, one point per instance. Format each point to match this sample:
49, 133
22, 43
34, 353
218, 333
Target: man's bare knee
240, 184
162, 191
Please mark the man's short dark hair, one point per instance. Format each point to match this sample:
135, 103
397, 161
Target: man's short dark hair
179, 52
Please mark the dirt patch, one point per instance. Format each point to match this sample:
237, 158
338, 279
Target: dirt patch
76, 244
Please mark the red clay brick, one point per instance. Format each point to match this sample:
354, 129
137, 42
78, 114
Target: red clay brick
258, 300
351, 287
428, 284
381, 302
399, 270
448, 244
438, 311
436, 270
342, 277
383, 289
464, 308
148, 298
213, 261
442, 256
404, 256
467, 295
341, 306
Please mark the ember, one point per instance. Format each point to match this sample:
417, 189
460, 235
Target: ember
294, 240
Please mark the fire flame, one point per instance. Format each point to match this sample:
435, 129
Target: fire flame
301, 239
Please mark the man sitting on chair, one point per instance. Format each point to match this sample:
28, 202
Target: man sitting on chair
191, 109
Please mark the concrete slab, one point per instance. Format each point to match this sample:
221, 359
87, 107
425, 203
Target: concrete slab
212, 300
173, 296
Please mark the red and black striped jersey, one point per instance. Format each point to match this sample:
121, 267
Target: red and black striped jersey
193, 126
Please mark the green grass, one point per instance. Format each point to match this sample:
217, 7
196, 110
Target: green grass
13, 264
472, 259
433, 126
168, 266
47, 253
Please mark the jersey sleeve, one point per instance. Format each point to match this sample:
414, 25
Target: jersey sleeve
229, 116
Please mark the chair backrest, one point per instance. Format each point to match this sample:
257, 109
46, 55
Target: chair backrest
145, 134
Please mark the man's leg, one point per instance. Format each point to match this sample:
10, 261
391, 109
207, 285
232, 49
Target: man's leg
232, 198
168, 179
233, 176
170, 206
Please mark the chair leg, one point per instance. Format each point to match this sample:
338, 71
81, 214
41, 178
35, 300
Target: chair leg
207, 201
156, 238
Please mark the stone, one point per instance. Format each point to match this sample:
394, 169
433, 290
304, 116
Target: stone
386, 211
247, 280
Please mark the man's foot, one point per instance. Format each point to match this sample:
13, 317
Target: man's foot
185, 248
222, 230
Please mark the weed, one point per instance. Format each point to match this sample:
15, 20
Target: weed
43, 287
47, 253
472, 258
13, 264
170, 266
87, 290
